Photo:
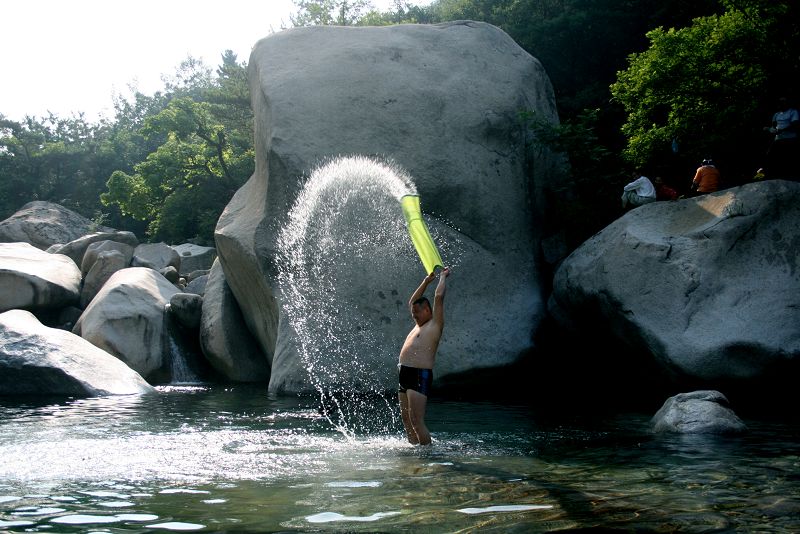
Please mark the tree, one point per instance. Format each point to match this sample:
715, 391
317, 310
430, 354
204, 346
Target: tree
329, 12
205, 153
704, 85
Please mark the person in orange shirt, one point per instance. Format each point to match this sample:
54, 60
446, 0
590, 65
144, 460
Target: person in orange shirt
706, 179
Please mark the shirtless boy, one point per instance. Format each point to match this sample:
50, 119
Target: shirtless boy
417, 357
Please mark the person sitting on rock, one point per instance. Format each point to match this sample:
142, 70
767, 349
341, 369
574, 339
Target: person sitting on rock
706, 179
663, 191
638, 192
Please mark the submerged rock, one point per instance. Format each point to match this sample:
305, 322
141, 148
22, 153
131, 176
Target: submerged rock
698, 412
38, 360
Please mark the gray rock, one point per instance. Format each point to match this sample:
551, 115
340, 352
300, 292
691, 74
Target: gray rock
440, 101
225, 340
37, 360
127, 319
171, 274
710, 286
33, 279
698, 412
97, 247
187, 308
197, 285
43, 224
194, 275
195, 257
156, 256
105, 264
76, 248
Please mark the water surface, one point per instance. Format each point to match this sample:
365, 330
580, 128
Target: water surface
234, 459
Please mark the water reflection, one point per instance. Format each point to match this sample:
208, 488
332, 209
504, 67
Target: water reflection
234, 459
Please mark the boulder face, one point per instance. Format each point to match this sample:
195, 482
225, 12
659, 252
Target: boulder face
440, 102
37, 360
77, 248
33, 279
710, 286
195, 257
224, 338
43, 224
127, 318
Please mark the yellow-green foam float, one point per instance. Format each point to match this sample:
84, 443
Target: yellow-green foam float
420, 236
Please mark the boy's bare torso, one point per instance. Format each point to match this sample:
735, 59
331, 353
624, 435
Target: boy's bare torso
419, 348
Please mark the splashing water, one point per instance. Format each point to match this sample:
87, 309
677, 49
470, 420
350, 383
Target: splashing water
345, 233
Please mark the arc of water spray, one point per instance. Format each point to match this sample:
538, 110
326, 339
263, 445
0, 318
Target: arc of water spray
309, 234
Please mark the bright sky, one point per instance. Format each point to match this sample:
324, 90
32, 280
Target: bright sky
67, 56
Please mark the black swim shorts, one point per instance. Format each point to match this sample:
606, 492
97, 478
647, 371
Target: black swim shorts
417, 379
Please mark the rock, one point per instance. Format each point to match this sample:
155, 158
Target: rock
76, 248
171, 274
105, 264
156, 256
97, 247
33, 279
226, 342
442, 103
127, 319
698, 412
709, 286
37, 360
194, 275
43, 224
198, 285
195, 257
186, 307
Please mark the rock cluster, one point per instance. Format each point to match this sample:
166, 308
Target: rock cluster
120, 306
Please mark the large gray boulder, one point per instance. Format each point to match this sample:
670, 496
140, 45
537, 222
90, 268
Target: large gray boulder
697, 412
195, 257
76, 248
94, 249
224, 338
127, 318
710, 286
33, 279
442, 103
104, 265
43, 224
156, 256
37, 360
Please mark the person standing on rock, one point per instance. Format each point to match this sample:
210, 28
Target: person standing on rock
417, 358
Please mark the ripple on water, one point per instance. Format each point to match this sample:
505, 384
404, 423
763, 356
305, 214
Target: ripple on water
329, 517
177, 525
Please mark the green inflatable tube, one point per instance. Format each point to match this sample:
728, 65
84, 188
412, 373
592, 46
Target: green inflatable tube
420, 235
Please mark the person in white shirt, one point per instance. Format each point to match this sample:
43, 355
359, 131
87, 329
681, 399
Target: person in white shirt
639, 192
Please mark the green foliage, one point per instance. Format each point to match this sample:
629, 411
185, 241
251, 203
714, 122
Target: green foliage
61, 160
709, 86
329, 12
205, 154
699, 85
588, 197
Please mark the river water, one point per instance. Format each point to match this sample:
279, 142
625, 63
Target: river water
234, 459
